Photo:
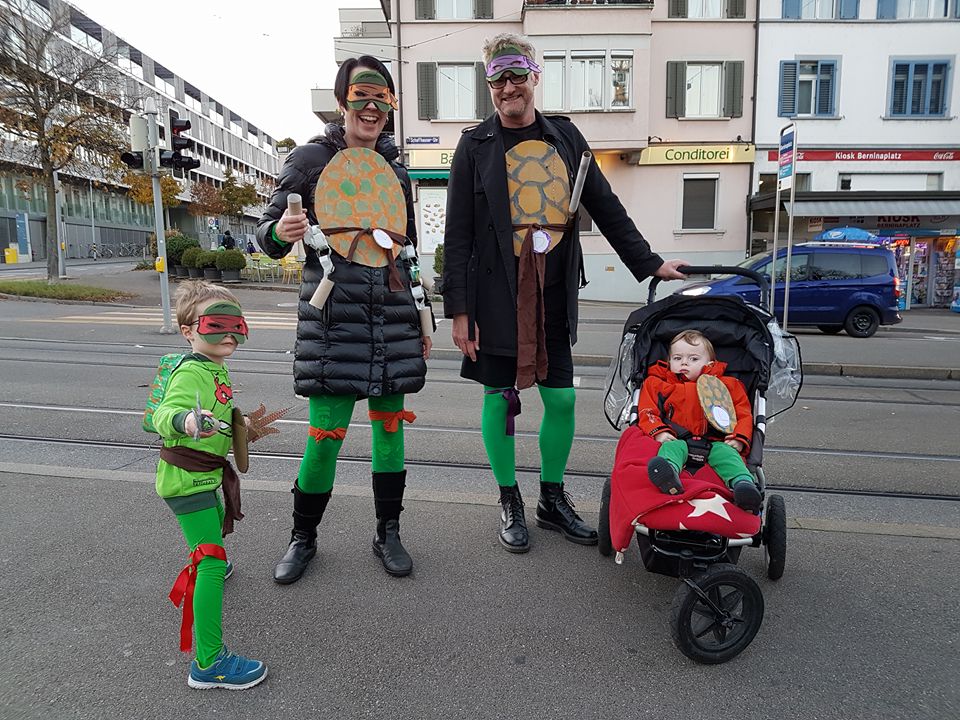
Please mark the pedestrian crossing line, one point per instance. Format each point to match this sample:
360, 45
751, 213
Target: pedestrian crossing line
139, 322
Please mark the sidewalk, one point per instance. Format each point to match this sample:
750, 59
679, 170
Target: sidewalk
604, 319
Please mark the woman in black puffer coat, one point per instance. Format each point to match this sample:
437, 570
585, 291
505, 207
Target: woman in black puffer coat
366, 342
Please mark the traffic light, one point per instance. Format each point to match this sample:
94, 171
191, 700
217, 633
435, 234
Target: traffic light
138, 144
172, 157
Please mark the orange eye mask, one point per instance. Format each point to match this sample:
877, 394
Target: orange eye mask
370, 87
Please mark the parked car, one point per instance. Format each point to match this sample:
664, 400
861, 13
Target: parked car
833, 286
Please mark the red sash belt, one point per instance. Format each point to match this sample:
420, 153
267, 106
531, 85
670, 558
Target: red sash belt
391, 420
319, 434
182, 591
396, 285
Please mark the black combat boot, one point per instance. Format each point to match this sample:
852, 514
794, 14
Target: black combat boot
388, 500
307, 512
555, 512
513, 525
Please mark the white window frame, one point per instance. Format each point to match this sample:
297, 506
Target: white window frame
716, 200
555, 63
817, 9
607, 96
699, 9
718, 66
912, 10
614, 56
458, 10
464, 109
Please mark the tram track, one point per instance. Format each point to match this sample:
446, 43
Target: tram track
478, 467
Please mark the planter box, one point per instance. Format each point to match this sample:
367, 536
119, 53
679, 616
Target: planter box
231, 276
180, 271
195, 272
212, 274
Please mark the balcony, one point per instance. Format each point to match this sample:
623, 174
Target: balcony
580, 3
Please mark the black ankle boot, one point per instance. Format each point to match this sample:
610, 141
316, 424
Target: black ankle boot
307, 512
555, 512
387, 546
513, 525
388, 490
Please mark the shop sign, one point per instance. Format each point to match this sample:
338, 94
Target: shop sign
943, 155
697, 154
898, 221
423, 140
432, 158
814, 224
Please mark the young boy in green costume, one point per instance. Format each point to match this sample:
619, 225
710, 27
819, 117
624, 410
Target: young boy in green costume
192, 467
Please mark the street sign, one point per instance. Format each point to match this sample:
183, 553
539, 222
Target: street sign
785, 158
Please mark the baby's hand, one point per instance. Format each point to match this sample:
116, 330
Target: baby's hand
190, 424
735, 444
664, 437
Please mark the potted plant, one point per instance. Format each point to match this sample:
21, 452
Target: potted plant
176, 244
208, 261
438, 270
189, 260
230, 263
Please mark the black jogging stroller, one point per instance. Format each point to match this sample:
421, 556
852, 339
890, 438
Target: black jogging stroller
718, 608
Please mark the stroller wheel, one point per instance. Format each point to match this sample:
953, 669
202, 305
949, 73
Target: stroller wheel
715, 616
775, 536
604, 545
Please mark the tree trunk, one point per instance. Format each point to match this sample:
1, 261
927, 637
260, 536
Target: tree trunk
53, 265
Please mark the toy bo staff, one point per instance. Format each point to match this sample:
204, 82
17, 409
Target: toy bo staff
409, 253
578, 182
315, 239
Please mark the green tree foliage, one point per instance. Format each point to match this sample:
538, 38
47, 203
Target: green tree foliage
141, 189
237, 195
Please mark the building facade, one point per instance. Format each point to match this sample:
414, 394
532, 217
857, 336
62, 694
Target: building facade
94, 212
871, 88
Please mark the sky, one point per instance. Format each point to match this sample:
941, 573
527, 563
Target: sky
260, 64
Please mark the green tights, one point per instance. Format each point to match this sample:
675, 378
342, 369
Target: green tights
205, 526
330, 412
556, 434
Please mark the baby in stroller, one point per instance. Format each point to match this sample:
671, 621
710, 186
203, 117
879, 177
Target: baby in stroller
686, 414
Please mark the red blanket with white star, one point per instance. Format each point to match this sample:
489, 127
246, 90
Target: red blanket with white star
706, 504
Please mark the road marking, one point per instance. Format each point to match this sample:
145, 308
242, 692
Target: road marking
264, 320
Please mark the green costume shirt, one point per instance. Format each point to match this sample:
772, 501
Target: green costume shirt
212, 382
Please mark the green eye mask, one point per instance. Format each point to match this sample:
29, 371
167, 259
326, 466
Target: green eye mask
220, 320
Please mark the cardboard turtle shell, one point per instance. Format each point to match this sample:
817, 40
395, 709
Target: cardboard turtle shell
716, 403
359, 189
539, 189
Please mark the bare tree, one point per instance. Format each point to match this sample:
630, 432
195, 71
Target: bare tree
62, 99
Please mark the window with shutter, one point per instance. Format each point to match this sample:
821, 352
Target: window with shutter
699, 203
676, 89
787, 105
826, 73
484, 102
703, 90
849, 9
791, 9
736, 9
886, 9
918, 88
733, 88
483, 10
426, 9
427, 90
677, 8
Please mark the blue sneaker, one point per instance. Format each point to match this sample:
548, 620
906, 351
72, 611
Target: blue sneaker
229, 671
229, 570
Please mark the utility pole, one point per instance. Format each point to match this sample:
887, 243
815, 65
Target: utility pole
151, 163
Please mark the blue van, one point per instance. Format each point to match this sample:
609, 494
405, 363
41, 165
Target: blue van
833, 286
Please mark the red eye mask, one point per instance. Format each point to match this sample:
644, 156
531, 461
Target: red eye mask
216, 327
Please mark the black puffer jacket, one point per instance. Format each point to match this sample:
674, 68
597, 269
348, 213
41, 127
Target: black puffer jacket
366, 341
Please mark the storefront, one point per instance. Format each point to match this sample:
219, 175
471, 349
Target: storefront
926, 262
429, 170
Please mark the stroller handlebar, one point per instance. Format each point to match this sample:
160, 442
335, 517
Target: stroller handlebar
761, 280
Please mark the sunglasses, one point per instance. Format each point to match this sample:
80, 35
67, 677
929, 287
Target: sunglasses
501, 81
359, 95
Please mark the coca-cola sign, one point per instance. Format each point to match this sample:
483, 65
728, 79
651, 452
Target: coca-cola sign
873, 155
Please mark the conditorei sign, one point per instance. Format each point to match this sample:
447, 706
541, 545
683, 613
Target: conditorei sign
697, 154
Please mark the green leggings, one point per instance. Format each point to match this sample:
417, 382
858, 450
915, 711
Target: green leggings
205, 526
330, 412
724, 460
556, 434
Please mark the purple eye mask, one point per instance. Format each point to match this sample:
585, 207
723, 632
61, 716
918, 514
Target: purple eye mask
519, 64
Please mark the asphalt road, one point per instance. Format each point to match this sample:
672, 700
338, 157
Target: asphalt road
864, 623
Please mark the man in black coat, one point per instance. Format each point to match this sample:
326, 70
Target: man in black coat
482, 277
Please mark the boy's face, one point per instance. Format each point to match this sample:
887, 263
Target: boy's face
688, 360
218, 330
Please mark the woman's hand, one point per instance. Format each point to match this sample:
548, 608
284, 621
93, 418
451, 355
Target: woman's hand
461, 339
292, 228
427, 344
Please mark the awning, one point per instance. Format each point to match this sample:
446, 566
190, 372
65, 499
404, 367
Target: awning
429, 174
844, 208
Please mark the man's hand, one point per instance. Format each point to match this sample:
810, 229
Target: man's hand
427, 345
668, 271
292, 228
663, 437
460, 336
